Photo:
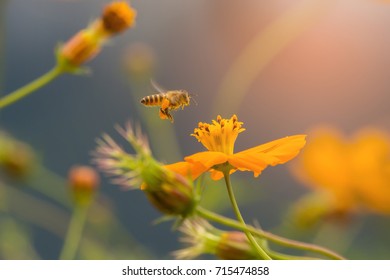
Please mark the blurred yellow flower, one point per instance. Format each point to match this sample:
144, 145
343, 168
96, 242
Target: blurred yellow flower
118, 16
219, 138
354, 173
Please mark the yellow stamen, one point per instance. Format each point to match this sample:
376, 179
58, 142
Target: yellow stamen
219, 136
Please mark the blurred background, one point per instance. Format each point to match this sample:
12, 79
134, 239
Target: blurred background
282, 66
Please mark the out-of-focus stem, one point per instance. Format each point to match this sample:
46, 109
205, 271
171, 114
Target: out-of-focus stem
75, 232
26, 90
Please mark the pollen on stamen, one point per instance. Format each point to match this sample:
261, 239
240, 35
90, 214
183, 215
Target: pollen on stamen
219, 118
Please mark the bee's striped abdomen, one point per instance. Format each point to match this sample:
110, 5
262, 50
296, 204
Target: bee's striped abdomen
153, 100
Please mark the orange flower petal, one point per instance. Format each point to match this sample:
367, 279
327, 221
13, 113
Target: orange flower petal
272, 153
217, 175
277, 151
249, 162
207, 159
186, 169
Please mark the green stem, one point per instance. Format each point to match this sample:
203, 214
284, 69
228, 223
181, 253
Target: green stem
31, 87
279, 256
75, 230
53, 186
269, 236
250, 237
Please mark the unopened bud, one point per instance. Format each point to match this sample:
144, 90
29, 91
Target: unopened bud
86, 44
117, 17
318, 207
234, 245
81, 48
172, 194
202, 238
83, 181
169, 192
16, 158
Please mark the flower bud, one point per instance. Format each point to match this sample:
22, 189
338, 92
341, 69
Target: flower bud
169, 192
316, 207
203, 238
117, 17
172, 194
16, 158
83, 181
81, 48
234, 245
86, 44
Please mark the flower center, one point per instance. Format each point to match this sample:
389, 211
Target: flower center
220, 135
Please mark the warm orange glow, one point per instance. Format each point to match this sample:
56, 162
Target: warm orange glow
355, 172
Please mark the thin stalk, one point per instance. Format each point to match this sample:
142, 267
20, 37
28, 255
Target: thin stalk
250, 237
74, 234
279, 256
269, 236
53, 186
31, 87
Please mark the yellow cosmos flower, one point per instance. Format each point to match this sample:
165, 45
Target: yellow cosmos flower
353, 173
219, 138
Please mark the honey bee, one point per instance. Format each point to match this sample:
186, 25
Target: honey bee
167, 101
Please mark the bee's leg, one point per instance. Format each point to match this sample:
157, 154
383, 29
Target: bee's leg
170, 117
163, 114
165, 105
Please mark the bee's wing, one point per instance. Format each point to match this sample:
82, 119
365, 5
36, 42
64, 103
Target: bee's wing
174, 99
156, 86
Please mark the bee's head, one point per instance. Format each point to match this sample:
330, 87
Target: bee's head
186, 97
